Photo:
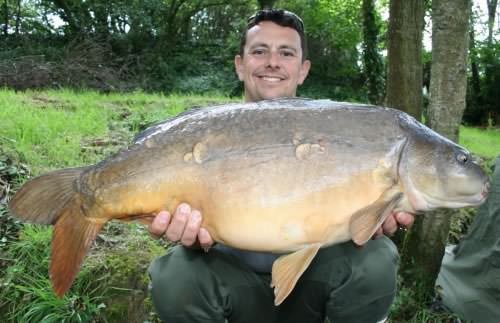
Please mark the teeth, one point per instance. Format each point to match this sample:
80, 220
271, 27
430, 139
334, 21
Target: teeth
271, 79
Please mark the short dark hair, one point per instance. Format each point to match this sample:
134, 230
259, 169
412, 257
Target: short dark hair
280, 17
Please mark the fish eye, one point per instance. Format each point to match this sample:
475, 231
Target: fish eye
462, 157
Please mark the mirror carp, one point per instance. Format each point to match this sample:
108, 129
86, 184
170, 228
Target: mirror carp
286, 176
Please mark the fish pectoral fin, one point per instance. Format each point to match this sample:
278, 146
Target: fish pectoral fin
287, 270
365, 222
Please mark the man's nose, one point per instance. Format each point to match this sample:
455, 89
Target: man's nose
274, 60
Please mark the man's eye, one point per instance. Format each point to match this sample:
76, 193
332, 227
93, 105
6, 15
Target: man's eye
288, 54
258, 52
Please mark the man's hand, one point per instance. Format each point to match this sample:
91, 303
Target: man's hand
184, 227
393, 222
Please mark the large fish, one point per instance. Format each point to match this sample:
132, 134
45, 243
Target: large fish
287, 176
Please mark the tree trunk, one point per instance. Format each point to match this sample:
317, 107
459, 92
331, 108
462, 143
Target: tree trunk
67, 14
404, 70
6, 18
492, 9
450, 19
475, 109
450, 39
102, 12
489, 69
18, 17
373, 67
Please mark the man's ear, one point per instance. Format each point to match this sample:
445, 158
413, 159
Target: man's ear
304, 71
238, 66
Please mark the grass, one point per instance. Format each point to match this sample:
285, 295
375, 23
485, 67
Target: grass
102, 291
483, 142
26, 295
53, 129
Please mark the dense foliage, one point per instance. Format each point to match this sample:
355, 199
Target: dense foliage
189, 46
169, 46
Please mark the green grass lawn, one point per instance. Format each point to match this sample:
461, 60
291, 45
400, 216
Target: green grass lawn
483, 142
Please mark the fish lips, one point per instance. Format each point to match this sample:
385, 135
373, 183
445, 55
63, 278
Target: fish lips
477, 199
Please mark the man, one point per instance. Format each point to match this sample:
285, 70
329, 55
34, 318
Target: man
469, 280
343, 283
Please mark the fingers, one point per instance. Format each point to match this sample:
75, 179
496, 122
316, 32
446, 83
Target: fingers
390, 226
205, 239
160, 223
405, 219
184, 226
175, 230
394, 222
192, 229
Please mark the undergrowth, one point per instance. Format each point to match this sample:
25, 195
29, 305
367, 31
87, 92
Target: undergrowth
26, 294
113, 274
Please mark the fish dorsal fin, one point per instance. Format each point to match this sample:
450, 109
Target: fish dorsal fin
287, 270
365, 222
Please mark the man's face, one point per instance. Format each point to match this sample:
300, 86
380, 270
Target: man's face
271, 66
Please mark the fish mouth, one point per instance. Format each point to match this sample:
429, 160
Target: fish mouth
459, 201
465, 201
485, 191
481, 197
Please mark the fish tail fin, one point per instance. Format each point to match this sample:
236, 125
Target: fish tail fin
72, 237
41, 199
53, 198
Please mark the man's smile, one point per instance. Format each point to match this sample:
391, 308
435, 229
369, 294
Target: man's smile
271, 78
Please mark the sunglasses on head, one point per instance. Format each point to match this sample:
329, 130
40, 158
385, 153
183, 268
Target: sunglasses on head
265, 14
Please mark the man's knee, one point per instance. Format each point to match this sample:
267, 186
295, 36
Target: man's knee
177, 280
370, 290
379, 264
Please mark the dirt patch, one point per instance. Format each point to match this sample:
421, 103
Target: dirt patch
44, 102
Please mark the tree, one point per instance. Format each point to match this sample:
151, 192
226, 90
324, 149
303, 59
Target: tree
404, 69
491, 73
373, 67
450, 19
492, 9
266, 4
5, 8
474, 111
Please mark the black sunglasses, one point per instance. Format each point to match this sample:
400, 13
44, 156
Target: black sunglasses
265, 14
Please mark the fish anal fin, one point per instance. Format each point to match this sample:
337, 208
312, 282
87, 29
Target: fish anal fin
365, 222
72, 237
287, 270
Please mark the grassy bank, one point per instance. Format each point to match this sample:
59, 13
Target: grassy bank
53, 129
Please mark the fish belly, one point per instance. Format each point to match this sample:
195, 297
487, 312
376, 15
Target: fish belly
284, 207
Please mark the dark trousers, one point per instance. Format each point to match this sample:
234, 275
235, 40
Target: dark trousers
343, 283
